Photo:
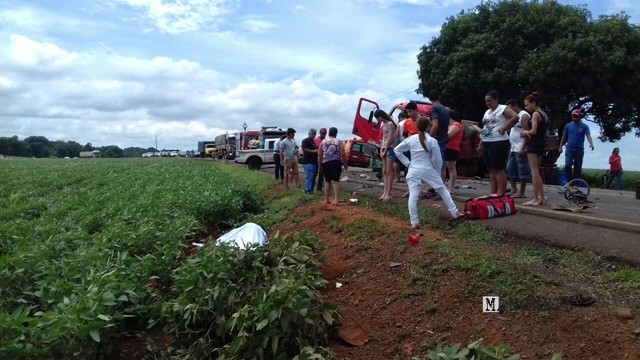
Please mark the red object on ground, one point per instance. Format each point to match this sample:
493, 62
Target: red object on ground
413, 239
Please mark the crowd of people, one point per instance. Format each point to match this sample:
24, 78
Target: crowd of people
425, 149
323, 158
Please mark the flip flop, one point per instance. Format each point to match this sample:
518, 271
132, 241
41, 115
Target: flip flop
517, 196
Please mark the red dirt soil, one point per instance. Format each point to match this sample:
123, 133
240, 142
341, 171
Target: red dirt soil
403, 326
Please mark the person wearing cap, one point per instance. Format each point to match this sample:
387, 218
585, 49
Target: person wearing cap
322, 134
573, 135
288, 155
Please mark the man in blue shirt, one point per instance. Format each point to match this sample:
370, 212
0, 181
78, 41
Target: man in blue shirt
573, 135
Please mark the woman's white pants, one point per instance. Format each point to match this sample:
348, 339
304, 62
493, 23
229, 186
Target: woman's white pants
415, 179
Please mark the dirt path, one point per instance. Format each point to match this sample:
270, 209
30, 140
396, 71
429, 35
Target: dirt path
435, 296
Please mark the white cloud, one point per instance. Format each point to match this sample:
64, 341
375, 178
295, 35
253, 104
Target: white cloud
176, 17
43, 56
23, 18
255, 25
5, 83
424, 30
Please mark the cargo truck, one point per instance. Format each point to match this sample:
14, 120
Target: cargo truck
206, 148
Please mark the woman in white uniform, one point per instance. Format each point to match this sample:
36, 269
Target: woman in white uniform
425, 159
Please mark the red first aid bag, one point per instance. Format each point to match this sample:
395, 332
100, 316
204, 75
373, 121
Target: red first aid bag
490, 206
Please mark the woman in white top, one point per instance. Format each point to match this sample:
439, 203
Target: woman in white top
494, 140
425, 159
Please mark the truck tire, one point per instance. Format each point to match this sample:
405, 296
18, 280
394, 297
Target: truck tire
254, 163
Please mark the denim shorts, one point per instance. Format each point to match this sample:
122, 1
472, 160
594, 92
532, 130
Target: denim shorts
391, 154
518, 167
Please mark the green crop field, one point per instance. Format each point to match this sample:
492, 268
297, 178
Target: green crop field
92, 251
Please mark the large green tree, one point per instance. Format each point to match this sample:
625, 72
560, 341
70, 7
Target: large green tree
516, 47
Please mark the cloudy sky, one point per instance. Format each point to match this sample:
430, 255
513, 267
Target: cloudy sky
122, 72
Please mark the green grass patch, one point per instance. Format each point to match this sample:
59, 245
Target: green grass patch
528, 255
278, 207
360, 233
365, 229
624, 275
427, 216
497, 275
476, 233
386, 207
334, 224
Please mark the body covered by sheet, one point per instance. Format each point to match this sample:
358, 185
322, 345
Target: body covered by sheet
244, 236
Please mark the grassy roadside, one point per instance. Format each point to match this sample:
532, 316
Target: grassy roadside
515, 268
521, 271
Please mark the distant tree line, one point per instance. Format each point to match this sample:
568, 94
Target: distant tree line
41, 147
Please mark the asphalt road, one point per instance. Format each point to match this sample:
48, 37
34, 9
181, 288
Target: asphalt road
609, 227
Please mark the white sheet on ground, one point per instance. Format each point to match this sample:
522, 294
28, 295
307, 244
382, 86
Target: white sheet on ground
244, 236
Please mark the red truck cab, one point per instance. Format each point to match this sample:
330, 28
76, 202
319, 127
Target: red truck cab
368, 128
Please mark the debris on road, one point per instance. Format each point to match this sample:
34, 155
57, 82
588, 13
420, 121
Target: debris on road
575, 209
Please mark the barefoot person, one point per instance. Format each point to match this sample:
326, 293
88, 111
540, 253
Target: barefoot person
288, 148
389, 138
535, 144
518, 165
494, 140
332, 160
424, 166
